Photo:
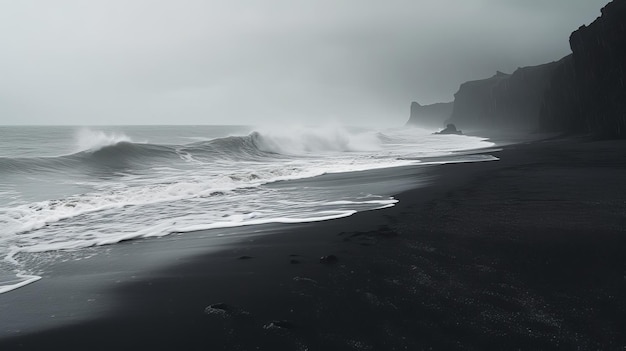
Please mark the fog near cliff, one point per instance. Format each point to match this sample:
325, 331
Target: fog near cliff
253, 62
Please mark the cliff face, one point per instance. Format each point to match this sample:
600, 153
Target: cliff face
587, 92
475, 102
583, 92
503, 101
430, 116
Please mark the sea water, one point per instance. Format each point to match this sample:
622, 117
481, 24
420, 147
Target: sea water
70, 188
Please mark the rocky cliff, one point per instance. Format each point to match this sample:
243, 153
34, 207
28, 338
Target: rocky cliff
587, 92
504, 100
584, 92
430, 116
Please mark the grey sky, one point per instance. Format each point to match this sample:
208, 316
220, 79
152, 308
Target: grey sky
255, 62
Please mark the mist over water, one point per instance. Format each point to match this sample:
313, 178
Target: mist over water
217, 62
72, 188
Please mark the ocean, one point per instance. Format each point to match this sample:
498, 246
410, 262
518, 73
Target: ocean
65, 188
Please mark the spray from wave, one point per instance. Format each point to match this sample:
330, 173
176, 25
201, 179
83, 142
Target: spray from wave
302, 140
89, 140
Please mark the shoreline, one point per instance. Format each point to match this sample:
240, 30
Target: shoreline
470, 261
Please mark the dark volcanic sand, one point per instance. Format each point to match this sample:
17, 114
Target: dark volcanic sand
526, 252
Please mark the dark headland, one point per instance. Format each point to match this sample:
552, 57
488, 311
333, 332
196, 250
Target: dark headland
583, 93
523, 253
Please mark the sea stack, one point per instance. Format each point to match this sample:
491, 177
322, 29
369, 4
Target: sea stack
430, 116
450, 129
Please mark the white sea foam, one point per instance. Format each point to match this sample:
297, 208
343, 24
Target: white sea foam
286, 220
376, 202
29, 217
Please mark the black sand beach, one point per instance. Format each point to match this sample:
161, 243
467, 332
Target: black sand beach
522, 253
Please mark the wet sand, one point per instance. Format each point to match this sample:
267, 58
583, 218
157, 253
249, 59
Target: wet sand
526, 252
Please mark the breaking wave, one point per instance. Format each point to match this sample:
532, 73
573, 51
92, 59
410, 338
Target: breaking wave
111, 151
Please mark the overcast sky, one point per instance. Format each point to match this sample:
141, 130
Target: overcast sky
256, 62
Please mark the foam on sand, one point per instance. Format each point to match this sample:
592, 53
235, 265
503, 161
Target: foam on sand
22, 280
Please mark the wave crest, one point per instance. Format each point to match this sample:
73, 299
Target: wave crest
110, 151
227, 148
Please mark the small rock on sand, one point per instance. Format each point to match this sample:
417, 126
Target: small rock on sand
279, 324
329, 259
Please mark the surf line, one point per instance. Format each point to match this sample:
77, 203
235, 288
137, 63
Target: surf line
28, 280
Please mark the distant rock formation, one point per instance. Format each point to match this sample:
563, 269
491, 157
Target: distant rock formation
450, 129
504, 100
588, 90
430, 116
